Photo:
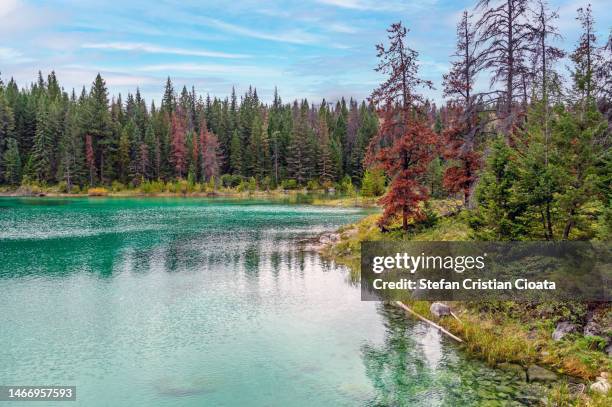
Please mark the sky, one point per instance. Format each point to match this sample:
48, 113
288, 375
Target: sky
308, 49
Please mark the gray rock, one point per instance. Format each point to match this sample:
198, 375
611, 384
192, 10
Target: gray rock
591, 329
537, 373
438, 309
562, 329
601, 385
608, 350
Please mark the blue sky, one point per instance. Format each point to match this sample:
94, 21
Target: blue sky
309, 48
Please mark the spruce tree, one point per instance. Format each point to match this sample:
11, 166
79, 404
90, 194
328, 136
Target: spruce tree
235, 154
41, 157
12, 163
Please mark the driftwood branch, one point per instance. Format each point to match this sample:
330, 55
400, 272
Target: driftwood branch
422, 318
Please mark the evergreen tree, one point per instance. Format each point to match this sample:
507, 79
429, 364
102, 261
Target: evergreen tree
498, 215
298, 161
97, 124
12, 163
41, 157
235, 154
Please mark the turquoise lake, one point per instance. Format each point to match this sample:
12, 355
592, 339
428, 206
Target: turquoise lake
209, 302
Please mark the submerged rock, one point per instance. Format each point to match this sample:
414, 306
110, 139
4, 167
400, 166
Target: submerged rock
438, 309
562, 329
537, 373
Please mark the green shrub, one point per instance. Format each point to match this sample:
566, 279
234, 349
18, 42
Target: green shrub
62, 186
117, 186
373, 183
289, 184
346, 186
152, 187
313, 185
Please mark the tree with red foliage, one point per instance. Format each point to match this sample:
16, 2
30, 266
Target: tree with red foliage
179, 150
210, 153
90, 157
405, 162
458, 149
403, 146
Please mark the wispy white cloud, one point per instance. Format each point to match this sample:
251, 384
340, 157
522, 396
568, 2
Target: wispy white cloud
191, 68
155, 49
7, 6
12, 56
342, 28
374, 5
290, 36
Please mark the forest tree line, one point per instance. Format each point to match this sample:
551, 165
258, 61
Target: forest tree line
49, 136
530, 154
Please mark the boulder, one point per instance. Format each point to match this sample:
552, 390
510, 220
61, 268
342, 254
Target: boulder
537, 373
438, 309
608, 349
601, 385
324, 239
562, 329
592, 328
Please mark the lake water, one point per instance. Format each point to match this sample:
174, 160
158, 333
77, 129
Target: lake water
195, 302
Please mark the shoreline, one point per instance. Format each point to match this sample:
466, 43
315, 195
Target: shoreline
317, 198
516, 342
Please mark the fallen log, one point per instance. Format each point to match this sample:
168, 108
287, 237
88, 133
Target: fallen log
422, 318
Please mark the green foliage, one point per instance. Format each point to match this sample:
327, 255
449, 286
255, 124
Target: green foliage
152, 187
373, 183
313, 185
12, 163
497, 217
117, 186
434, 176
346, 186
289, 184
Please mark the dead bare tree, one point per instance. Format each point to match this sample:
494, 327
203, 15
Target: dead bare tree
506, 37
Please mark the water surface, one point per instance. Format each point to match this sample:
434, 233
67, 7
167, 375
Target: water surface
196, 302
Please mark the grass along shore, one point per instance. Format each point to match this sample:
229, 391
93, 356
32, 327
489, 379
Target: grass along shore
318, 196
505, 334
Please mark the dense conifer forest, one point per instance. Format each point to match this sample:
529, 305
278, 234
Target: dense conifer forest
52, 136
530, 152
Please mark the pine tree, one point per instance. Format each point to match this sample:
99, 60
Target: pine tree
402, 146
91, 159
506, 35
325, 164
41, 157
97, 124
179, 152
499, 214
210, 151
12, 163
298, 161
7, 124
259, 148
169, 98
71, 161
124, 152
235, 154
